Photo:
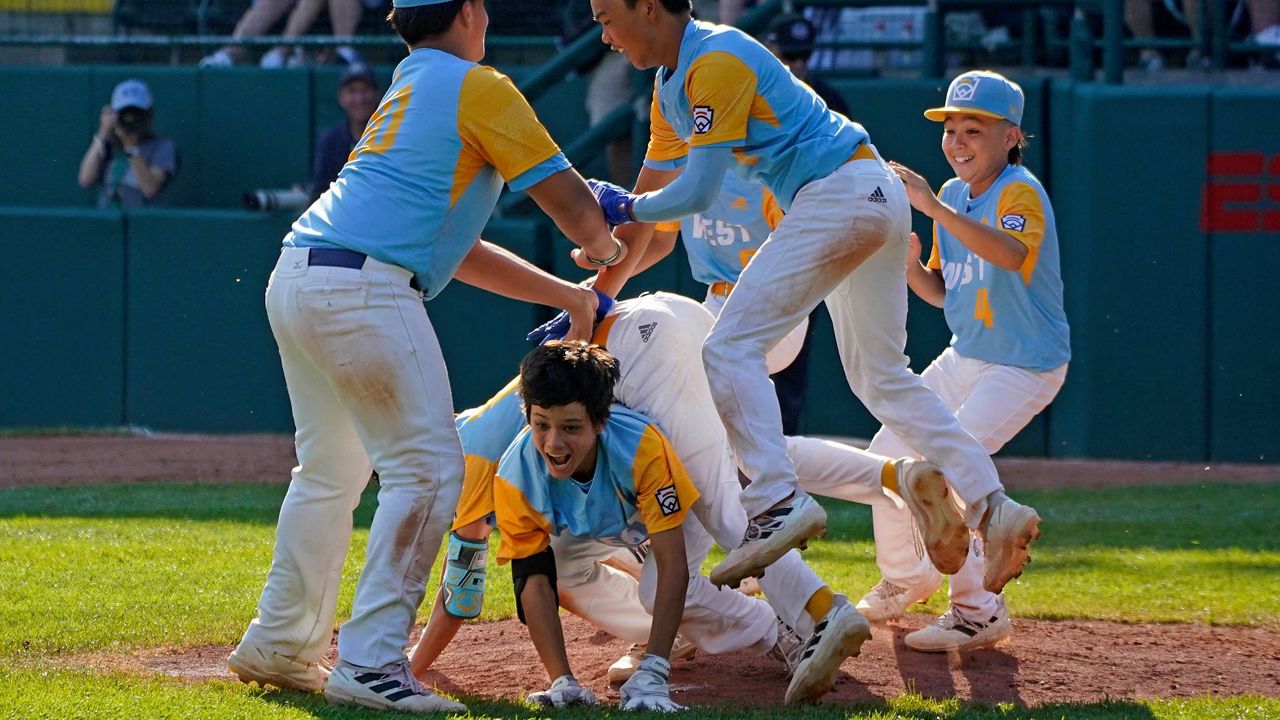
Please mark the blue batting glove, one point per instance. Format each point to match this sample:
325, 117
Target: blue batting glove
614, 200
558, 326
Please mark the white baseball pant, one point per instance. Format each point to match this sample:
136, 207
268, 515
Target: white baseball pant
993, 403
368, 387
841, 244
715, 620
782, 354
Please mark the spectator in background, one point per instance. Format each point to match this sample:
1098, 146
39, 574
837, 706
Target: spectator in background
344, 17
790, 38
358, 97
125, 158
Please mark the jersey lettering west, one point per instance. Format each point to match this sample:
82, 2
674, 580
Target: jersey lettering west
727, 90
639, 487
420, 185
486, 432
1000, 316
723, 238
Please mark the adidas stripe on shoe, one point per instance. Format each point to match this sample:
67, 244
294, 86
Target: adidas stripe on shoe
393, 688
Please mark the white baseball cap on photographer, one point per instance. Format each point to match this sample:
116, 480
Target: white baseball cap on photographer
131, 93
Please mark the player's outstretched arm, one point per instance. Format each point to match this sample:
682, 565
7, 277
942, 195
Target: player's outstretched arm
649, 688
493, 268
566, 199
442, 627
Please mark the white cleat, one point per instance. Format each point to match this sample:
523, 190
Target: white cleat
887, 601
923, 488
839, 635
1007, 534
953, 631
391, 688
626, 666
267, 667
790, 524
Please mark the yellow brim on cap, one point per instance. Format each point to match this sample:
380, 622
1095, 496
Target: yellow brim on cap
940, 114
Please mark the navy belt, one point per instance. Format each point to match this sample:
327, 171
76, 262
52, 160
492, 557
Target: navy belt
338, 257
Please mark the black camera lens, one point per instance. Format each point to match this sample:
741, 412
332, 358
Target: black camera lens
131, 119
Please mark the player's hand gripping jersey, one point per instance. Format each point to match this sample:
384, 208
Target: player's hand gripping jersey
640, 487
729, 91
1009, 318
425, 176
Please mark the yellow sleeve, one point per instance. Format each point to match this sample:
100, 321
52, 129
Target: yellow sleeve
1020, 214
935, 257
772, 210
671, 226
664, 490
721, 89
476, 501
664, 144
497, 124
525, 531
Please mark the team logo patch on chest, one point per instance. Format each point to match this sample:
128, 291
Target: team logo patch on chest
702, 118
668, 500
1013, 222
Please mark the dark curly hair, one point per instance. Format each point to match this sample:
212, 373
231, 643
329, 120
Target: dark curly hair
561, 373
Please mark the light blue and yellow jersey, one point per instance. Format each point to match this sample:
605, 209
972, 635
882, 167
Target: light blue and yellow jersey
727, 90
420, 185
639, 488
486, 432
721, 240
1000, 316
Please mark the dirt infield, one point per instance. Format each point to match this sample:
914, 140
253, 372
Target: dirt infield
89, 459
1045, 662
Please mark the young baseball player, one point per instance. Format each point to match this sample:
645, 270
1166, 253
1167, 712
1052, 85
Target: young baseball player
994, 270
722, 100
590, 470
365, 374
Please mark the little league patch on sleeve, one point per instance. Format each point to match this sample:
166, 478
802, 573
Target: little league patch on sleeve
1012, 222
702, 117
668, 500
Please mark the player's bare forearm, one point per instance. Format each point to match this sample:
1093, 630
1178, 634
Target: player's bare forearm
502, 272
566, 199
985, 241
668, 552
637, 236
927, 284
659, 247
440, 631
542, 617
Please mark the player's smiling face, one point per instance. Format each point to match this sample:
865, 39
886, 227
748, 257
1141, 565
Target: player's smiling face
977, 148
566, 438
624, 28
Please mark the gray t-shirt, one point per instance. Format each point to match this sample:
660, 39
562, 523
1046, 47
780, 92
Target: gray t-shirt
120, 185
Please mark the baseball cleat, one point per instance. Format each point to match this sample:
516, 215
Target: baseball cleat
923, 488
265, 667
839, 635
626, 666
887, 600
769, 536
392, 688
789, 648
953, 631
1007, 534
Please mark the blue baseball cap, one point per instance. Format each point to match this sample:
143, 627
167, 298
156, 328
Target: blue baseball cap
417, 3
982, 92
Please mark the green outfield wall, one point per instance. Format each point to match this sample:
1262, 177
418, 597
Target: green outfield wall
1167, 202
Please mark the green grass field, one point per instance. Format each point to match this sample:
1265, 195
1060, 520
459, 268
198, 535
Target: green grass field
124, 568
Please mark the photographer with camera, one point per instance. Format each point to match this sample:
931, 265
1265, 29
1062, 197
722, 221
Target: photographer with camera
130, 163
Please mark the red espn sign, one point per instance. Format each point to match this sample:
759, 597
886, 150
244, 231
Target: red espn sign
1233, 200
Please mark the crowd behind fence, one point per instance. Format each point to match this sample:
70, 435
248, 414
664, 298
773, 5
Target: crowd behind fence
855, 37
